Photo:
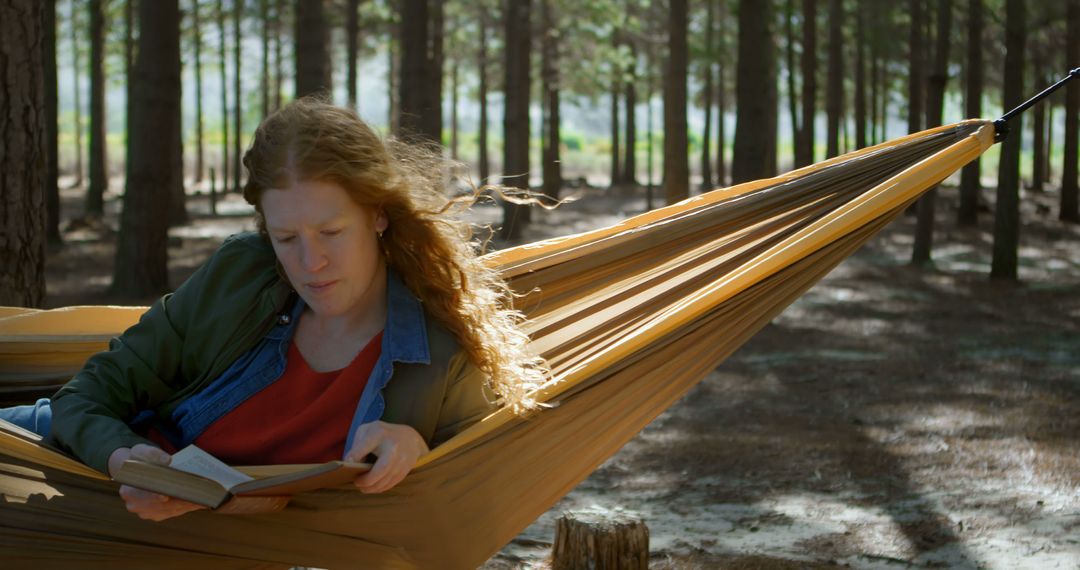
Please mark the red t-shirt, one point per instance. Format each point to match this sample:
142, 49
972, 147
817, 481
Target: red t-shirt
303, 417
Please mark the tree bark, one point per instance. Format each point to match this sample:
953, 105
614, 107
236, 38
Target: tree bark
1070, 193
614, 95
967, 214
721, 164
804, 148
789, 53
629, 163
76, 68
516, 115
834, 97
924, 230
279, 14
482, 69
1007, 210
860, 80
707, 98
23, 169
140, 268
312, 39
352, 36
1038, 138
755, 96
676, 160
916, 80
417, 73
551, 170
196, 32
393, 74
264, 81
437, 29
601, 540
224, 96
52, 169
454, 110
238, 114
99, 177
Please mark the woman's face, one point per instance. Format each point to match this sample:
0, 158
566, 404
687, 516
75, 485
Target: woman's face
328, 245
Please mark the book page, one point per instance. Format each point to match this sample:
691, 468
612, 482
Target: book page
193, 460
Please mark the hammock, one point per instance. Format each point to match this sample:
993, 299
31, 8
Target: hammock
630, 318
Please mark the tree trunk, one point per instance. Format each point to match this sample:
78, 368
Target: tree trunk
393, 74
238, 115
224, 96
196, 32
140, 268
1070, 195
1038, 138
755, 96
789, 53
264, 81
23, 135
437, 29
352, 37
52, 170
312, 39
454, 110
967, 214
707, 97
873, 79
482, 69
516, 115
676, 160
834, 97
551, 170
629, 163
99, 177
279, 15
804, 148
129, 66
414, 86
614, 176
721, 165
76, 68
924, 231
1007, 210
860, 80
916, 81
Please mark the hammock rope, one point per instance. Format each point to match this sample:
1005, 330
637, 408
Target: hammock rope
630, 318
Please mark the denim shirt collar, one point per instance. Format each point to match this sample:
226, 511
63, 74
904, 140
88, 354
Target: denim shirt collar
404, 333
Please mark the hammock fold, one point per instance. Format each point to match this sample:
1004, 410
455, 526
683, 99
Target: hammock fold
630, 318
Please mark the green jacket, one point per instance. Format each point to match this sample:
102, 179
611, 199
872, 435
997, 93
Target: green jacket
189, 337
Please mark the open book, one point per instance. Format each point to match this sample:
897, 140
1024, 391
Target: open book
198, 477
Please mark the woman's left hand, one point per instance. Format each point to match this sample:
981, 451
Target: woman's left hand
397, 446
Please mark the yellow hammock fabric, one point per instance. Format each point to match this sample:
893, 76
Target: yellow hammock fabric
629, 316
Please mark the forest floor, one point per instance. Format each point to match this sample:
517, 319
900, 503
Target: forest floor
892, 417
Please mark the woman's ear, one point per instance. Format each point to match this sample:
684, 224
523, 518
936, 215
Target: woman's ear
381, 221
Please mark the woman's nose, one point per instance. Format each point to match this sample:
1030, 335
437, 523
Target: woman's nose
312, 255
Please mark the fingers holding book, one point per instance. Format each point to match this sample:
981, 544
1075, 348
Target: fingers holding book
145, 504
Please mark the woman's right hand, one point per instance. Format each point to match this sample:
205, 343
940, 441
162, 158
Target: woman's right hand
149, 506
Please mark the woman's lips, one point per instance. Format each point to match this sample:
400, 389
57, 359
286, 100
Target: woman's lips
320, 286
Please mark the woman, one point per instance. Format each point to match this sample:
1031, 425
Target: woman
357, 320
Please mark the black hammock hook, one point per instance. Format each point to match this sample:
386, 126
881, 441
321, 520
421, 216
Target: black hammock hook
1001, 127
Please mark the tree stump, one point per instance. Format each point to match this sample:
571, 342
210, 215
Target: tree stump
600, 539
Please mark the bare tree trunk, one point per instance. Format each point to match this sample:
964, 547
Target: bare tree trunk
676, 161
419, 118
629, 172
551, 170
1007, 210
129, 66
1038, 135
140, 268
482, 69
1070, 194
23, 134
916, 81
224, 95
279, 15
238, 115
264, 80
860, 80
99, 177
834, 97
454, 110
614, 94
804, 148
967, 214
312, 41
755, 96
516, 116
792, 94
874, 63
196, 31
393, 66
352, 36
76, 68
707, 97
924, 231
437, 31
721, 164
52, 169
